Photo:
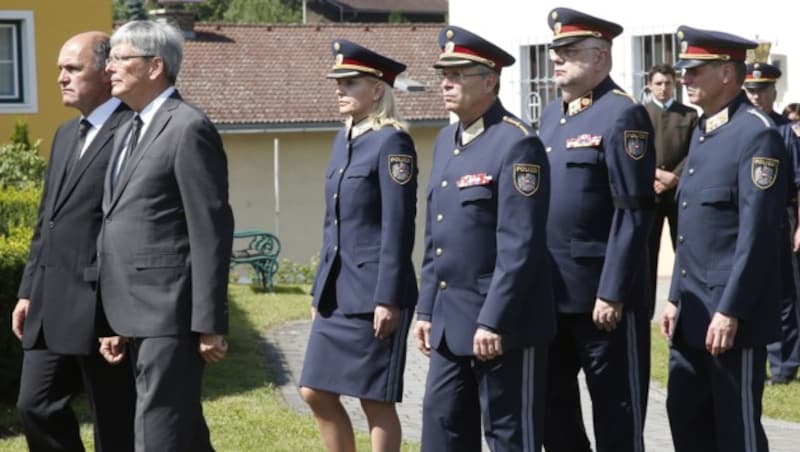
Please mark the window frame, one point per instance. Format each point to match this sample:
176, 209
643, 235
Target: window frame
26, 100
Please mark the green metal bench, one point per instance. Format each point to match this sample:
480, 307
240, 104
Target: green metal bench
261, 253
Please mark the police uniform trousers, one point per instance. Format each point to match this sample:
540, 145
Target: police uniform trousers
50, 381
507, 392
784, 356
617, 369
665, 208
345, 357
169, 414
714, 403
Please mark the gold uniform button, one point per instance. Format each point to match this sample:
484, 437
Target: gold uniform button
442, 285
439, 251
456, 152
444, 184
439, 218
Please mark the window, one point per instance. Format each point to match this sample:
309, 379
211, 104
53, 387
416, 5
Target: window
17, 63
538, 85
649, 50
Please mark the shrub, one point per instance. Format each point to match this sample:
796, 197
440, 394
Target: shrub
293, 273
21, 166
18, 208
13, 255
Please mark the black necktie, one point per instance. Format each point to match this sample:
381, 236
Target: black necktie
130, 147
83, 130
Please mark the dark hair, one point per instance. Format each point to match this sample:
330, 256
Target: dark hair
791, 108
741, 71
665, 69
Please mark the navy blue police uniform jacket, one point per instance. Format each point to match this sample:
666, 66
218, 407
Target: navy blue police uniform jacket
485, 246
731, 201
368, 236
790, 133
602, 161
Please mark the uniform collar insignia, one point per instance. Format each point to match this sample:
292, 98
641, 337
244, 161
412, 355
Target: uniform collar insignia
362, 127
579, 104
472, 131
717, 121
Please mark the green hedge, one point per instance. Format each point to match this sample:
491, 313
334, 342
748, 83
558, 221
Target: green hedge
13, 254
18, 208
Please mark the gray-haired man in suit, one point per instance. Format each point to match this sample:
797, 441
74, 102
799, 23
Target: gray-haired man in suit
165, 242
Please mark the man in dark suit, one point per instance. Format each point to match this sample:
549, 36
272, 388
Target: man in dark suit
724, 303
485, 313
57, 308
166, 240
673, 123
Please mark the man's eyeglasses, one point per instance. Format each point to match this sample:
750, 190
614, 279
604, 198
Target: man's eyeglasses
569, 52
114, 59
458, 76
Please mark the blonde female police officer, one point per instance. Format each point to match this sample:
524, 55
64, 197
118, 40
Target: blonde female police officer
365, 289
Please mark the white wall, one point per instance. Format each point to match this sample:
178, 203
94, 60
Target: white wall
514, 23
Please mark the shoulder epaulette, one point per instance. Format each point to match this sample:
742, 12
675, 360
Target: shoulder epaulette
757, 113
796, 128
619, 92
516, 124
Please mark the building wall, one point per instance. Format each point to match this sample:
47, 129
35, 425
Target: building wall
515, 23
303, 157
54, 23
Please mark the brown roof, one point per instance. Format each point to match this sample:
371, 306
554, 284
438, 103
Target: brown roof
259, 75
403, 6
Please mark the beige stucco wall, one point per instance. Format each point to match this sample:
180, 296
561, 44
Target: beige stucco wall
303, 157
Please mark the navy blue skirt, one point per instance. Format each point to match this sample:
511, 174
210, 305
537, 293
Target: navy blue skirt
344, 357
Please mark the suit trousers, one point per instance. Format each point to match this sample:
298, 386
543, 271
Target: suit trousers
50, 381
617, 369
508, 392
169, 414
714, 403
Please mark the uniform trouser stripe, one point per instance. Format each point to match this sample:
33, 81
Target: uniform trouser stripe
396, 363
528, 385
748, 419
633, 380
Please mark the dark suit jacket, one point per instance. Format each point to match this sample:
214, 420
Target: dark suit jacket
673, 130
167, 229
63, 249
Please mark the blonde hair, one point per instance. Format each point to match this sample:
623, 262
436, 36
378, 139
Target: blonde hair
384, 112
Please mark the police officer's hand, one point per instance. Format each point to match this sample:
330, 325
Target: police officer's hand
486, 345
18, 317
422, 336
721, 333
668, 319
113, 348
665, 180
385, 320
606, 314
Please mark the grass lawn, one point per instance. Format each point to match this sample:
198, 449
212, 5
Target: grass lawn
780, 402
243, 404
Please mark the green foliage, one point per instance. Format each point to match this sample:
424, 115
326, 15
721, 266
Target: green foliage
20, 135
396, 17
209, 10
18, 208
294, 273
21, 166
264, 11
